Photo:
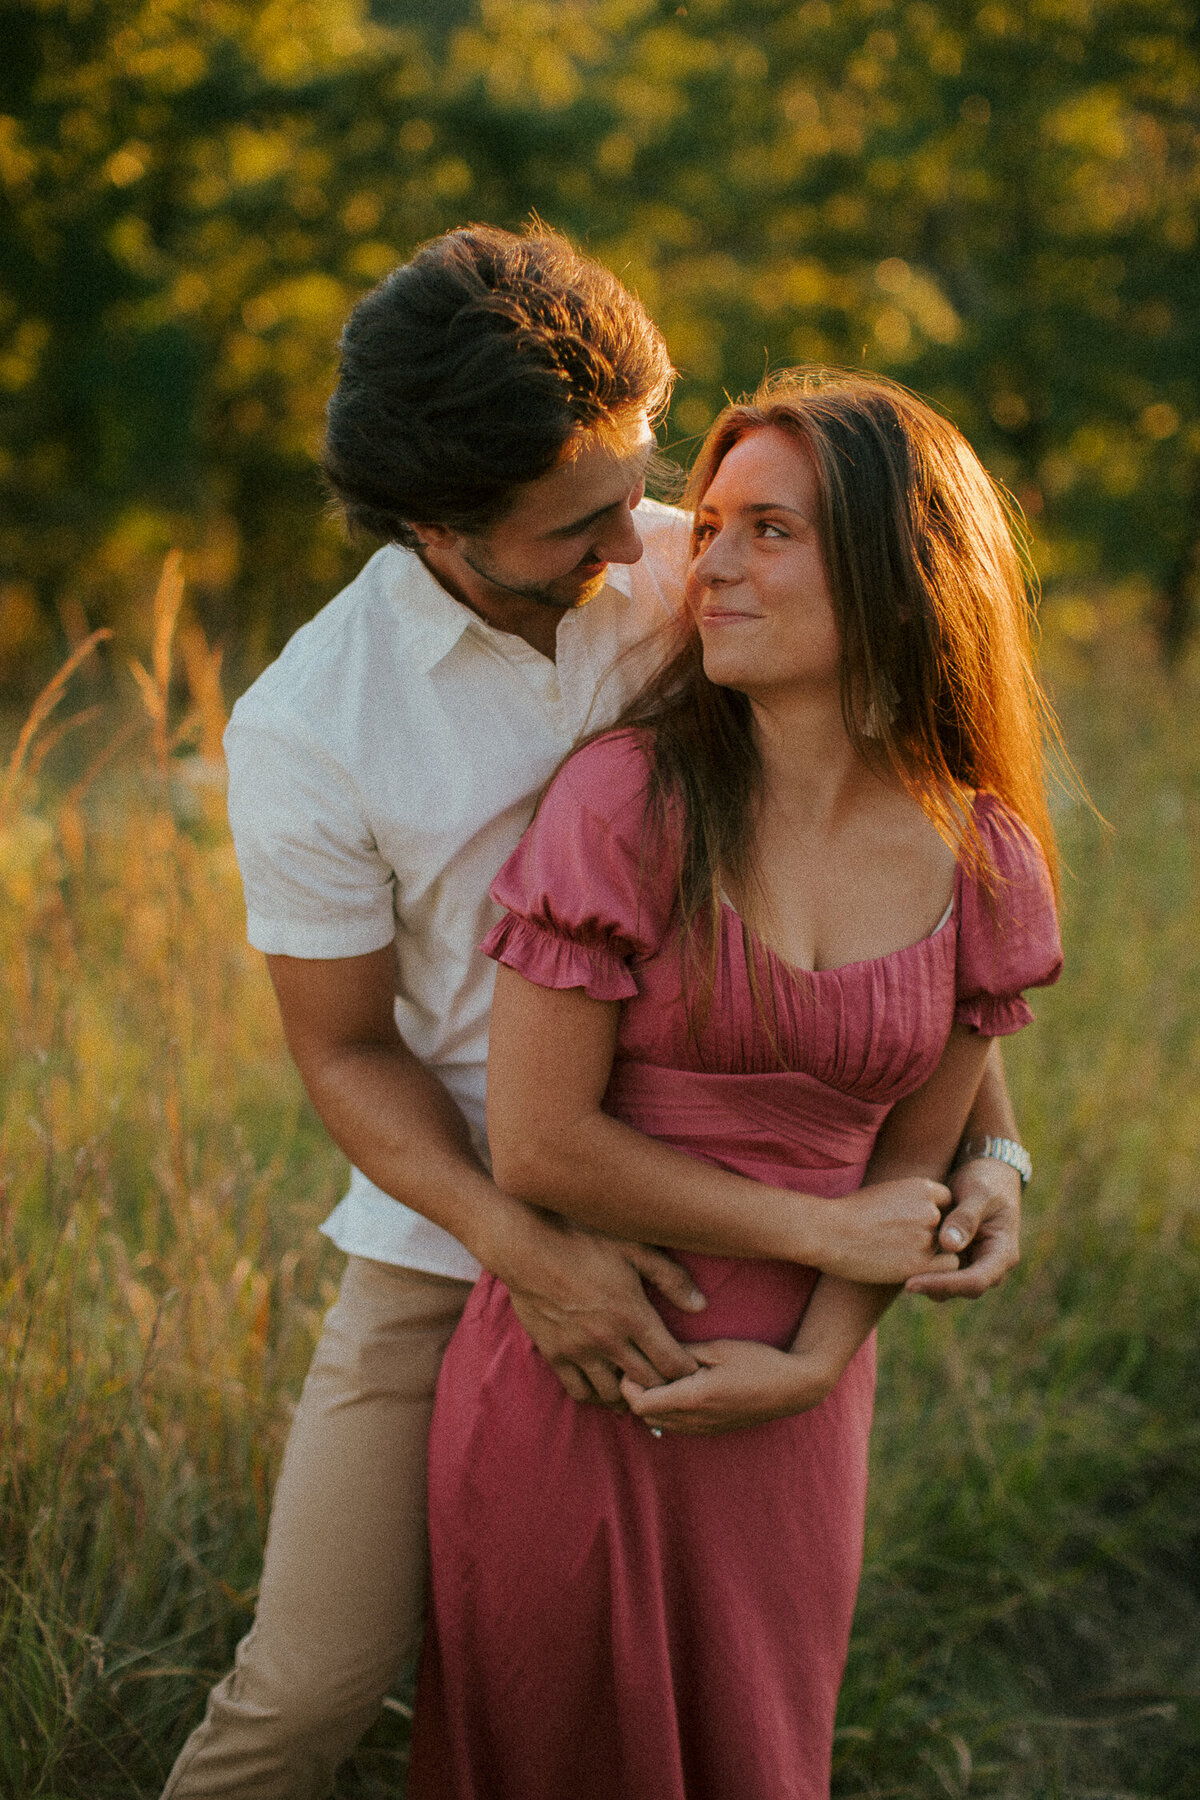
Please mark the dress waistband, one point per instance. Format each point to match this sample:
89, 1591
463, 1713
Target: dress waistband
779, 1125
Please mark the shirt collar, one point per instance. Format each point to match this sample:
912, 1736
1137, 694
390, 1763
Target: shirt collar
436, 620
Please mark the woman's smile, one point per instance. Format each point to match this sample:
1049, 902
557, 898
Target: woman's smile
726, 615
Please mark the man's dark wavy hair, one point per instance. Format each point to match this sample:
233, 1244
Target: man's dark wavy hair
470, 369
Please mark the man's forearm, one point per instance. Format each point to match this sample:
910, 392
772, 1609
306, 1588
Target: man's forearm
398, 1123
983, 1226
580, 1297
991, 1112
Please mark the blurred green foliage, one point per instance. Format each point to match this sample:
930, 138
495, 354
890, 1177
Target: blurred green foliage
998, 203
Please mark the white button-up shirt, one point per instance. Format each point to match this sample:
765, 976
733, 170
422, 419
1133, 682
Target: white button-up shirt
382, 769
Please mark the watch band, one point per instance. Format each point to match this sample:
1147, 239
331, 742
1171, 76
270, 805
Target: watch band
1004, 1150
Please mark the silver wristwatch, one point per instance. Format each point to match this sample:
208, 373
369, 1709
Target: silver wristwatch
1004, 1150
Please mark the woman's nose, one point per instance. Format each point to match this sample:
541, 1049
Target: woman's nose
713, 564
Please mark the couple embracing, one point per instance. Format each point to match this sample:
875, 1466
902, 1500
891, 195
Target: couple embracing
789, 879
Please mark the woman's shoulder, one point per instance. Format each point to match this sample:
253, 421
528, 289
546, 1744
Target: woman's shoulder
1011, 851
588, 869
610, 776
601, 813
1008, 937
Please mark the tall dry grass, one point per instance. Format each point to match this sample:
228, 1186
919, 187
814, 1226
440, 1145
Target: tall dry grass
160, 1279
1030, 1617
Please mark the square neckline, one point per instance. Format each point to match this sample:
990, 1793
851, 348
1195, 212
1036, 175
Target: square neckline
953, 910
863, 962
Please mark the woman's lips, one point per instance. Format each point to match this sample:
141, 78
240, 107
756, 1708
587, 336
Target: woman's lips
726, 615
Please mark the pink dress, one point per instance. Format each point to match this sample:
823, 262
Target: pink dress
619, 1617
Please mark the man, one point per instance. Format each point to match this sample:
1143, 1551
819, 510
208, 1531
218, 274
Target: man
492, 422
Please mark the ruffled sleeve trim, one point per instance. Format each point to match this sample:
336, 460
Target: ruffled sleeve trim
552, 961
993, 1017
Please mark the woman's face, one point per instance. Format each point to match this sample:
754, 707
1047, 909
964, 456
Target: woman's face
757, 584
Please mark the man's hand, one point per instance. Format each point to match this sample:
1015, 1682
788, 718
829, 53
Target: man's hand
738, 1382
580, 1297
982, 1227
887, 1232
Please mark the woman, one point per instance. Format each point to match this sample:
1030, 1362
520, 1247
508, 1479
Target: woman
793, 897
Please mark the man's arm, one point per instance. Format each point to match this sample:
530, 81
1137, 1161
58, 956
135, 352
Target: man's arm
579, 1295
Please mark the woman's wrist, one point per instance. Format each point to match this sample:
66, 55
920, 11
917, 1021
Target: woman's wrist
809, 1228
791, 1382
817, 1370
827, 1233
840, 1235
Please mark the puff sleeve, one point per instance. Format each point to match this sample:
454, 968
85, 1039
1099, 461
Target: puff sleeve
590, 888
1007, 940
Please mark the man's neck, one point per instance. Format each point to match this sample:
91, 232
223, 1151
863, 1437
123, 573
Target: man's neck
536, 624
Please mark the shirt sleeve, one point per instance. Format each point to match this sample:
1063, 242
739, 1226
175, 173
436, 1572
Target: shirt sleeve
1008, 937
590, 887
314, 881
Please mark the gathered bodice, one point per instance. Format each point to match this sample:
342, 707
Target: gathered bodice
873, 1029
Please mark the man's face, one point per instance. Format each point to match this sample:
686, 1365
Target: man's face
552, 548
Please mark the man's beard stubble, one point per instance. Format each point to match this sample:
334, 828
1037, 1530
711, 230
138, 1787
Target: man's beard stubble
535, 592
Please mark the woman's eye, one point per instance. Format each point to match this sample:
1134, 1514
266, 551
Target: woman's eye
768, 529
702, 533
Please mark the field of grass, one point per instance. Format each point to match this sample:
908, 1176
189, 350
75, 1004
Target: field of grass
1030, 1618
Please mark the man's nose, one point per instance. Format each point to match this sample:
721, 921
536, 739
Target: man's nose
619, 541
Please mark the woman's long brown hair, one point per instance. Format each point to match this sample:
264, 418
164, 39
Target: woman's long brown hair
934, 609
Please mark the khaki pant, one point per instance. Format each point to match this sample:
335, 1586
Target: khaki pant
342, 1596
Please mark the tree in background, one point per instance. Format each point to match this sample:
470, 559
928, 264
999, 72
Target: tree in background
193, 195
996, 203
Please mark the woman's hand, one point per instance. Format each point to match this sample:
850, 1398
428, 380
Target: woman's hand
887, 1232
739, 1383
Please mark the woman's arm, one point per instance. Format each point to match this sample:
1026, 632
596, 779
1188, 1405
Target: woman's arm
743, 1383
549, 1061
919, 1137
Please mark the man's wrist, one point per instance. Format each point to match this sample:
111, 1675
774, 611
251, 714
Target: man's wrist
494, 1225
984, 1146
509, 1238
